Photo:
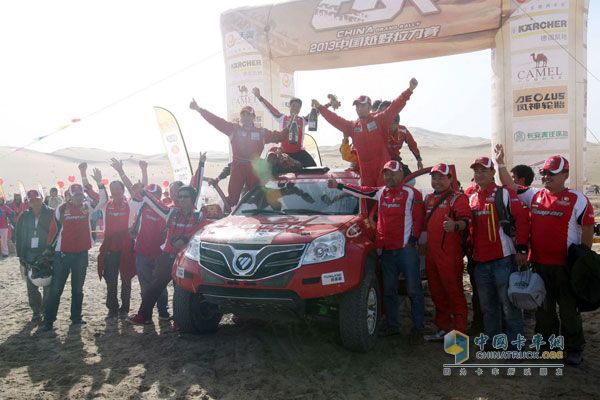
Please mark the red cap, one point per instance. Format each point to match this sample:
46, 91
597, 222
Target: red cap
393, 166
443, 169
33, 194
362, 100
556, 165
154, 189
247, 109
484, 162
75, 188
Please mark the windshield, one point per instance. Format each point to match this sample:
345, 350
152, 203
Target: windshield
298, 198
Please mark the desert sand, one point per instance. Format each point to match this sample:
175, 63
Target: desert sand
245, 359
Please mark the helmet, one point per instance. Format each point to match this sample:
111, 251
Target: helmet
40, 279
40, 272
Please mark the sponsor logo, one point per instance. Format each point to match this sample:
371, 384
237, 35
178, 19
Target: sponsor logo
246, 64
174, 149
171, 138
541, 26
540, 101
539, 70
332, 278
332, 14
521, 136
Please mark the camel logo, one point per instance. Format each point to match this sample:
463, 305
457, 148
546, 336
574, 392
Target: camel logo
230, 40
540, 60
243, 90
243, 263
537, 68
333, 14
285, 80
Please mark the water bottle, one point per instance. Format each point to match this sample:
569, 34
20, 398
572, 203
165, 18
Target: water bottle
312, 120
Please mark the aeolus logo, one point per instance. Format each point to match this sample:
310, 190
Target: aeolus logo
332, 14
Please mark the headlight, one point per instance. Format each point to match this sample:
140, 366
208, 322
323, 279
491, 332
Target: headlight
325, 248
192, 251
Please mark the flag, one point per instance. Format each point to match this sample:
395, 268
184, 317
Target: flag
174, 145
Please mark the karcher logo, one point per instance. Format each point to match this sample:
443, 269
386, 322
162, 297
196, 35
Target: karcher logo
333, 14
457, 344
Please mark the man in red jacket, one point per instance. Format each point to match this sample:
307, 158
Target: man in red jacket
399, 224
495, 253
247, 144
71, 242
369, 133
447, 216
560, 217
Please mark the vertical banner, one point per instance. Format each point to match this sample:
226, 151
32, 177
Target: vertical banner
22, 191
540, 106
41, 190
174, 145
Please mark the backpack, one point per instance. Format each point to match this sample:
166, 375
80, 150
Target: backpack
505, 217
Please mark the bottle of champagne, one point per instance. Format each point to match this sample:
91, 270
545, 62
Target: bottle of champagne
313, 117
293, 128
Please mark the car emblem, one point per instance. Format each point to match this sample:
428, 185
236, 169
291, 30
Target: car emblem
243, 263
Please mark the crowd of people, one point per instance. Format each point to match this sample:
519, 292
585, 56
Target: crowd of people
144, 233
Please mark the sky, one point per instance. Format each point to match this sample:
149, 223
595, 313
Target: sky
109, 62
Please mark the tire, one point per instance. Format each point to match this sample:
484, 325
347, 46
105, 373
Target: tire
359, 314
193, 314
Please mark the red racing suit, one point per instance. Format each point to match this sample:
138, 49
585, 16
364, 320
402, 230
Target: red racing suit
397, 139
400, 218
247, 145
556, 221
444, 259
369, 137
489, 240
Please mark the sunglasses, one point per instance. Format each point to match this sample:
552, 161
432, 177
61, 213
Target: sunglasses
547, 173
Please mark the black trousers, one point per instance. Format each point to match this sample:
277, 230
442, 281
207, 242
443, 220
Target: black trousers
160, 280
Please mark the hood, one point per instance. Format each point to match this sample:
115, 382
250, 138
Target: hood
273, 229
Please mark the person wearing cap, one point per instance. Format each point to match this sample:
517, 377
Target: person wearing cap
290, 145
399, 224
33, 240
247, 143
182, 222
398, 135
495, 253
6, 219
369, 133
71, 243
447, 216
149, 231
560, 217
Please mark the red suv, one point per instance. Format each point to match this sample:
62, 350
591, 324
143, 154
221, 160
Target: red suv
290, 249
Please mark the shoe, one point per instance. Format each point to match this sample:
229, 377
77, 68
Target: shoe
138, 319
416, 338
574, 357
36, 318
164, 317
436, 337
112, 314
389, 331
78, 322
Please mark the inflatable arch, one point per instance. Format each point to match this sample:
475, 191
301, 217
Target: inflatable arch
538, 58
